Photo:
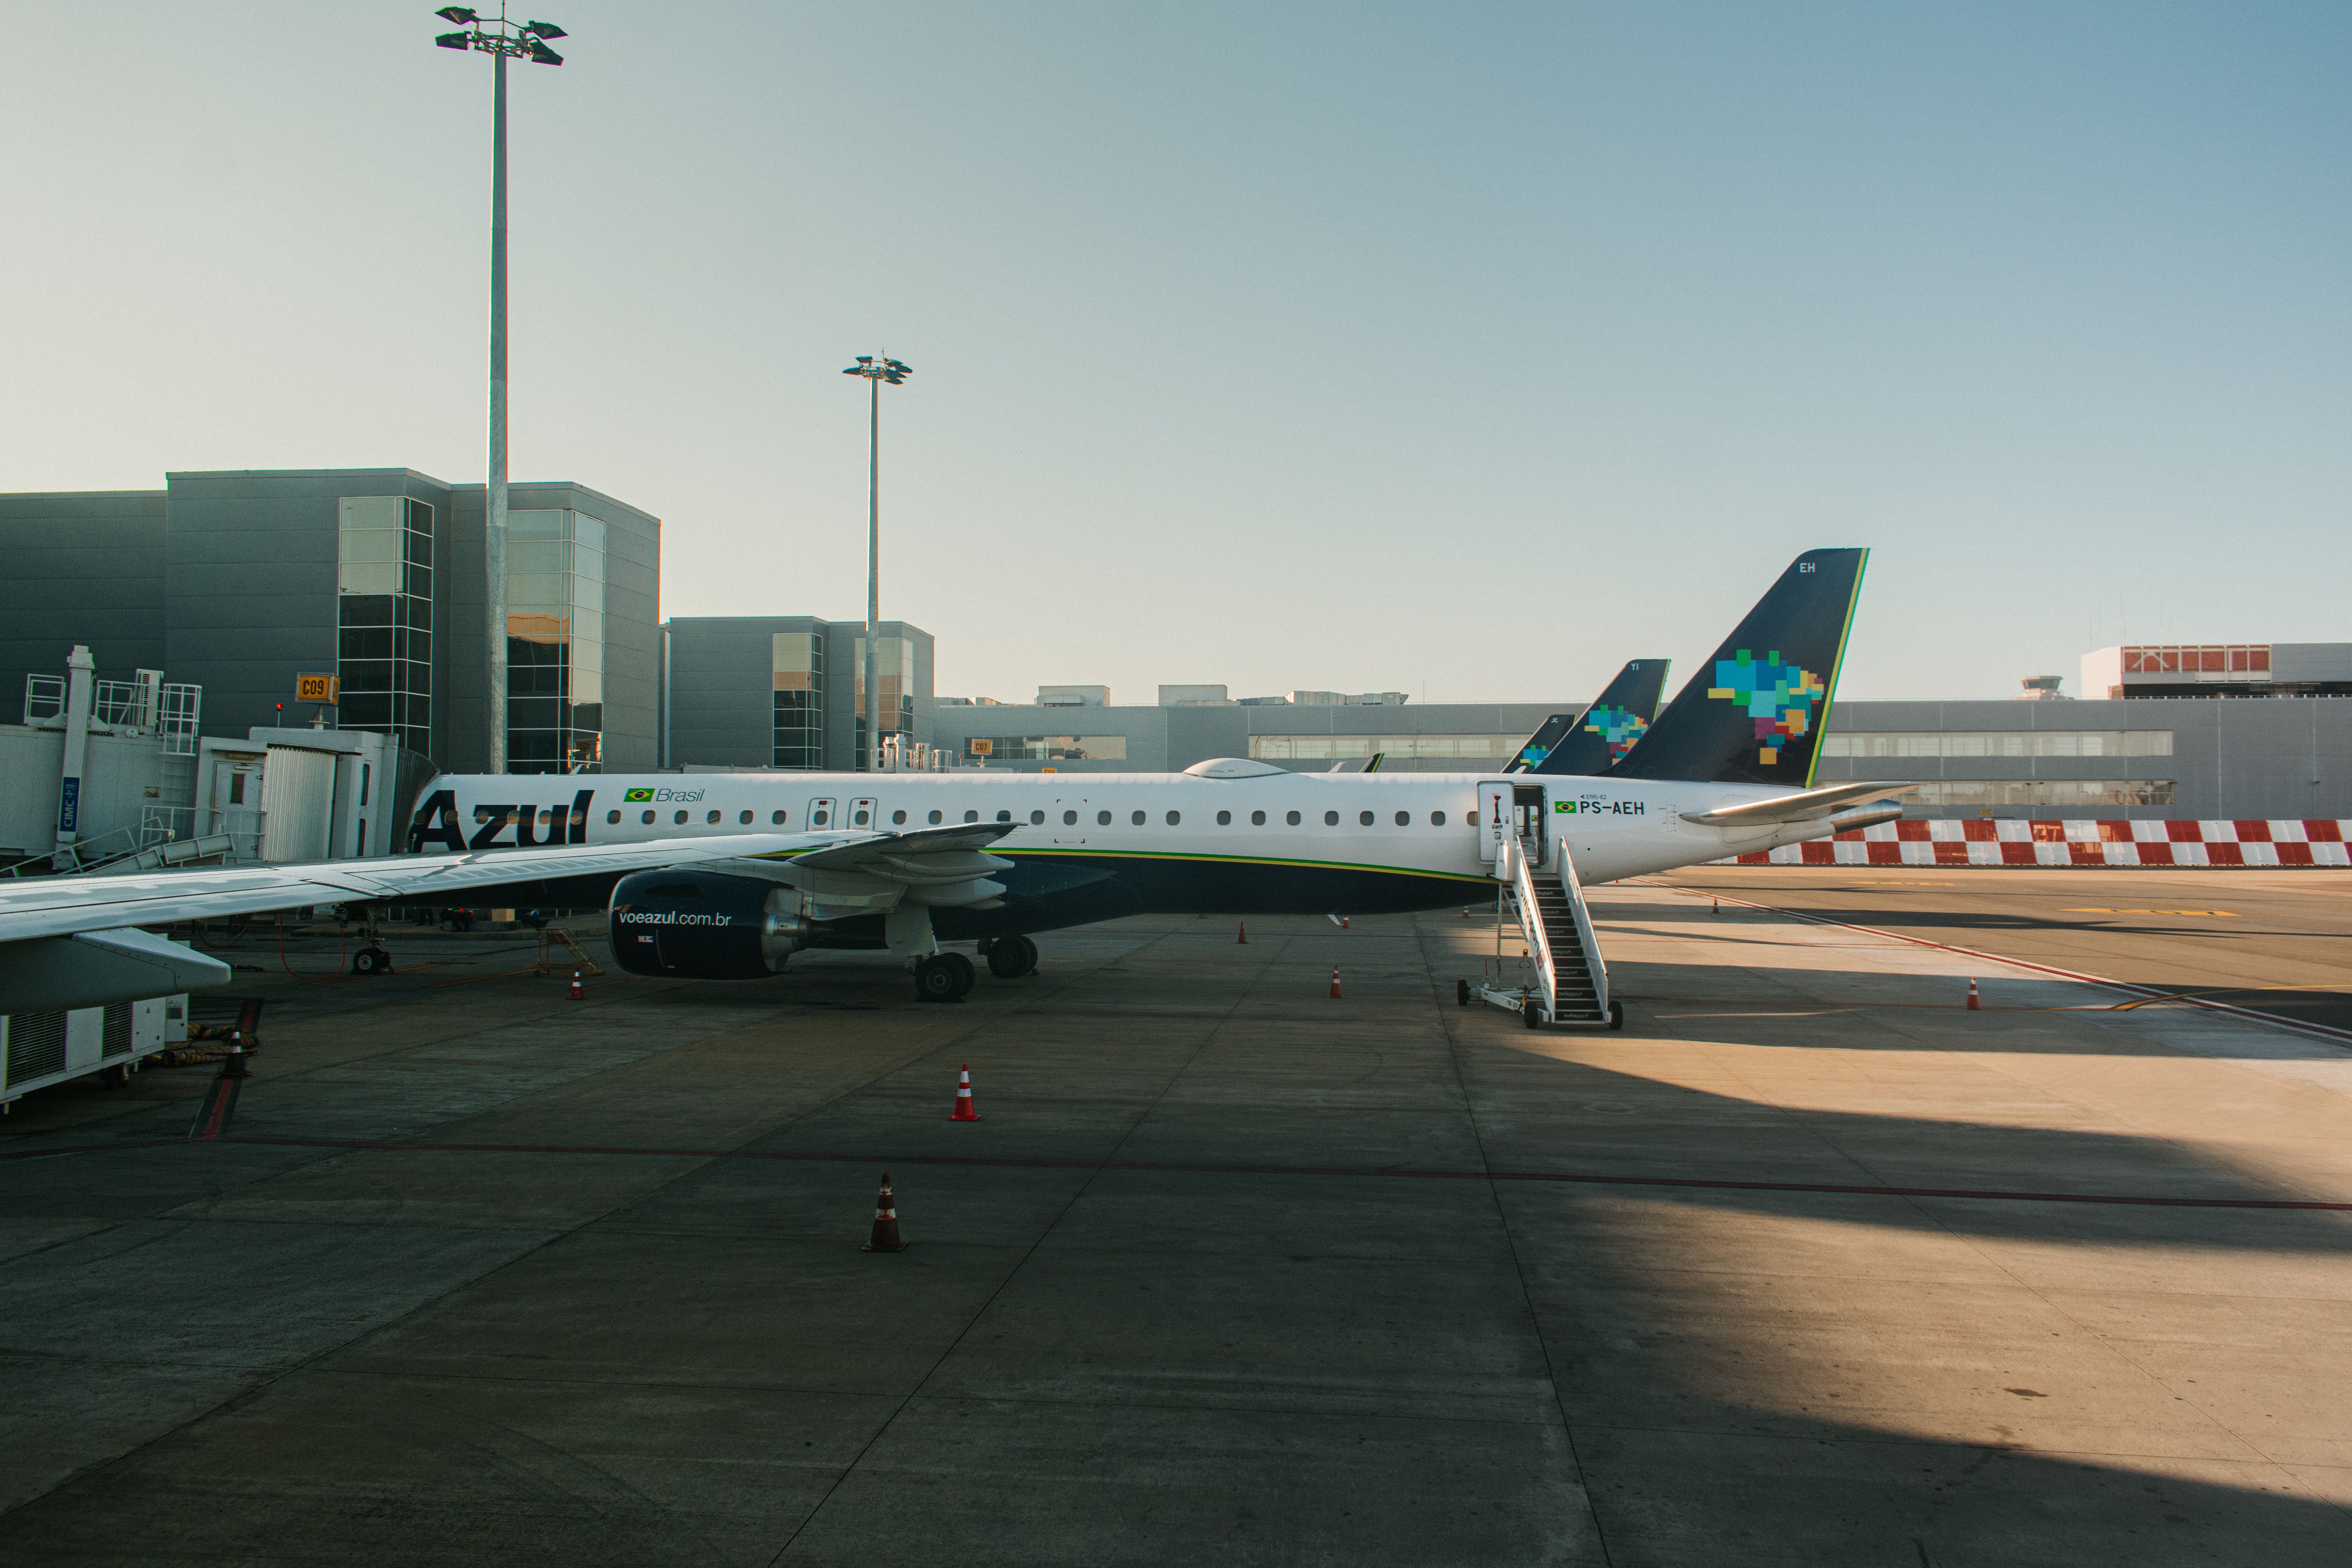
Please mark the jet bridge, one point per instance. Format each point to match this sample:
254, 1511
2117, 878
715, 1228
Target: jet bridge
1562, 978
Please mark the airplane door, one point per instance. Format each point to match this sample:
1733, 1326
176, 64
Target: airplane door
821, 812
863, 812
1528, 819
1493, 818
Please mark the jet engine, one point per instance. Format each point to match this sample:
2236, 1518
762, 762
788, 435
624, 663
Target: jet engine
703, 925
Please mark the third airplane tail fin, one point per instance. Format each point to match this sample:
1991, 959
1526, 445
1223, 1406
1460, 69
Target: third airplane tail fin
1607, 731
1755, 713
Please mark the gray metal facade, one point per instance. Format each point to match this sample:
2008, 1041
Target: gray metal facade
80, 567
1169, 739
719, 688
2230, 757
228, 580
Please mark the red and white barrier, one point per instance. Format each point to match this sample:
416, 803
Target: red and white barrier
2021, 842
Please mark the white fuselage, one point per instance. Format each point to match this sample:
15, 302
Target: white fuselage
1410, 824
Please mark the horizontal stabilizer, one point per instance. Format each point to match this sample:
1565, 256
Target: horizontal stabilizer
1802, 806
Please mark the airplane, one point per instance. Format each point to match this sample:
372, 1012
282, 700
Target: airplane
726, 875
1588, 741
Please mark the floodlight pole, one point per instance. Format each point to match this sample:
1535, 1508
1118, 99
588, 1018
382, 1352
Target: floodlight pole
494, 528
873, 572
498, 39
877, 369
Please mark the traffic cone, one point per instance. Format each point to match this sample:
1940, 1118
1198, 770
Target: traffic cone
1465, 914
1719, 906
1974, 1005
234, 1065
1343, 922
577, 994
963, 1111
886, 1238
1243, 938
1335, 981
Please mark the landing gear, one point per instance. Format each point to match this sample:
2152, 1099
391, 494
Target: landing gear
943, 977
1011, 957
370, 961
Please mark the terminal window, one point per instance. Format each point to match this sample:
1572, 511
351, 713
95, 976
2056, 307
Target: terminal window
894, 672
796, 670
2046, 794
1047, 748
555, 642
384, 613
1999, 743
1326, 748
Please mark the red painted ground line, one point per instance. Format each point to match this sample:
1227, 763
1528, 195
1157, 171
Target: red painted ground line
2147, 992
1570, 1178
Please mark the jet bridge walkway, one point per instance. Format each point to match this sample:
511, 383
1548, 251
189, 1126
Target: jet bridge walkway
1563, 979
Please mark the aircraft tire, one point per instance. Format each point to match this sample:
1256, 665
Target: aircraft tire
1011, 957
937, 980
966, 976
370, 961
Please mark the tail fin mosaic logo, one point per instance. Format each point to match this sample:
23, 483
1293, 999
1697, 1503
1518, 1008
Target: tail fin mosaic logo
1778, 696
1617, 726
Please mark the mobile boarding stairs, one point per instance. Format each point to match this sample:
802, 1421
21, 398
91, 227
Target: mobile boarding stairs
1562, 979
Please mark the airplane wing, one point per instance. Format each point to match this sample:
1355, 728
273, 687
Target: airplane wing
1801, 807
63, 906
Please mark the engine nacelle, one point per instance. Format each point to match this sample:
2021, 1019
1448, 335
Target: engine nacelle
702, 925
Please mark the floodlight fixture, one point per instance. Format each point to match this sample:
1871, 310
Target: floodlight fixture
464, 16
544, 29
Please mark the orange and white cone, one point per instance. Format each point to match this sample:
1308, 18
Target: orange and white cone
1974, 1005
577, 994
1343, 922
963, 1111
1335, 981
885, 1237
1243, 938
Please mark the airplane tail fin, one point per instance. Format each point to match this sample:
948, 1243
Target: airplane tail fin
1607, 731
1755, 713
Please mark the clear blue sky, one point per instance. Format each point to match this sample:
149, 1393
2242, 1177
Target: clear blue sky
1465, 349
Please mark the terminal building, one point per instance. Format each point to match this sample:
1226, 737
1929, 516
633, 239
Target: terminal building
238, 582
789, 691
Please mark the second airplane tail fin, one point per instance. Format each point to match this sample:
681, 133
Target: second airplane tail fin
1607, 731
1755, 713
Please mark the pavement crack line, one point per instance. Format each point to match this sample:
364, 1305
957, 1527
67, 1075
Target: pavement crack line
914, 1393
1519, 1265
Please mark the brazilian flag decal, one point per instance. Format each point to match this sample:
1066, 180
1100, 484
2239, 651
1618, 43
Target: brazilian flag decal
638, 794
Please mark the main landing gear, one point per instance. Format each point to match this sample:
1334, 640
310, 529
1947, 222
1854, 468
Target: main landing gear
1011, 957
943, 977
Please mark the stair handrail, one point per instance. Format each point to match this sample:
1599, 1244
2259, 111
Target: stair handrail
1574, 887
1523, 894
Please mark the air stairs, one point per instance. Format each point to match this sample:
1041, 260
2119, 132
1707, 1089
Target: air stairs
1562, 978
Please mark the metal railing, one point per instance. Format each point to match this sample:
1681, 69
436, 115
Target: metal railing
1574, 887
1517, 872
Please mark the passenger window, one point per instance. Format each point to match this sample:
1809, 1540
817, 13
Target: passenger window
546, 816
611, 817
897, 819
1292, 819
1174, 817
1257, 819
1137, 819
1364, 818
1404, 819
712, 818
679, 819
1037, 818
1069, 819
1330, 819
647, 819
777, 818
1003, 816
935, 817
1225, 819
857, 817
1102, 819
1437, 819
745, 818
971, 817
